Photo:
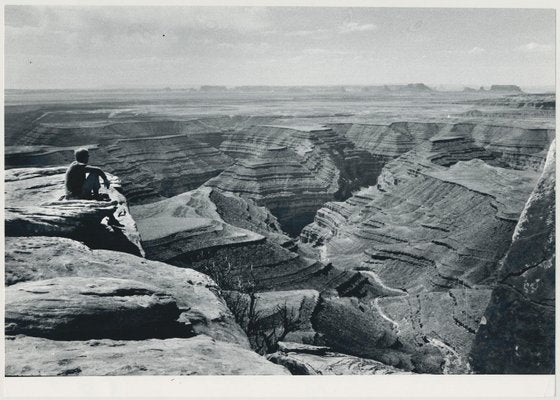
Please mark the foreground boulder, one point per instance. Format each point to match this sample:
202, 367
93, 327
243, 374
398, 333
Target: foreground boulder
200, 355
517, 332
34, 207
74, 308
38, 258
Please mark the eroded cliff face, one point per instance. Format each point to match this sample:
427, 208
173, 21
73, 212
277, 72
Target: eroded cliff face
513, 146
516, 334
294, 170
278, 181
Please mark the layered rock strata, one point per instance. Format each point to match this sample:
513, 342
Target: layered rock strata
408, 235
294, 170
277, 180
152, 168
60, 128
515, 147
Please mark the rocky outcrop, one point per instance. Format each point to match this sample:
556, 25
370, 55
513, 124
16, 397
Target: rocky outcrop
388, 141
34, 208
449, 150
516, 334
318, 360
200, 355
76, 308
196, 296
188, 230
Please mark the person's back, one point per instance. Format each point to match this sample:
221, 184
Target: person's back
75, 178
77, 185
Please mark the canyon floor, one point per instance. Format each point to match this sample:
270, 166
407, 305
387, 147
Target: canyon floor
305, 232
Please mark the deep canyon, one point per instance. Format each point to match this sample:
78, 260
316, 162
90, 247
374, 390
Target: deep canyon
306, 232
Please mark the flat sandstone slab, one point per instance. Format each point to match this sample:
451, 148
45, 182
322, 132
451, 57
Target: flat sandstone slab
200, 355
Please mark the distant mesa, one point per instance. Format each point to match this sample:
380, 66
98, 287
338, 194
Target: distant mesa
506, 88
411, 87
418, 87
212, 88
495, 88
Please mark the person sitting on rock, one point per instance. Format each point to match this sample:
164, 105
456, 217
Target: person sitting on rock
80, 187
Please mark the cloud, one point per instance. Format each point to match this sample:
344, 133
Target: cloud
535, 48
130, 20
350, 27
327, 52
476, 50
308, 32
128, 32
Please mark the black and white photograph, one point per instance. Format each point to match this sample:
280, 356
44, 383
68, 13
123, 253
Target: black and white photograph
278, 190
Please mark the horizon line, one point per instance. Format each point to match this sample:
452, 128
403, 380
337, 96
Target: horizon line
229, 86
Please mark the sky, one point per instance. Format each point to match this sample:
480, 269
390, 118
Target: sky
114, 47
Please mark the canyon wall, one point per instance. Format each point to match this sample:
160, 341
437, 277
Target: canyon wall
517, 332
428, 237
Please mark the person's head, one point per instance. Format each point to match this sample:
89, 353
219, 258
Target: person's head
82, 155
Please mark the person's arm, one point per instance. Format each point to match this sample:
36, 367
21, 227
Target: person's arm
99, 172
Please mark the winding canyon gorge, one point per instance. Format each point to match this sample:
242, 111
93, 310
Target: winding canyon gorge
306, 232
